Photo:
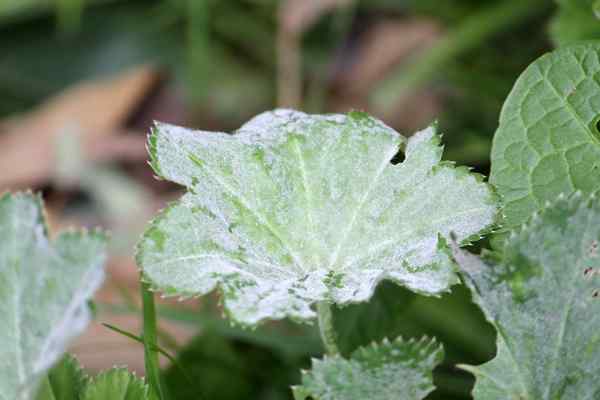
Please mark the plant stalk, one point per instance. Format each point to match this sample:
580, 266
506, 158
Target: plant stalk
150, 342
326, 328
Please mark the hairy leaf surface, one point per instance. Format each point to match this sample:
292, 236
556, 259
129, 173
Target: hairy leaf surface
543, 297
296, 208
548, 140
44, 292
386, 371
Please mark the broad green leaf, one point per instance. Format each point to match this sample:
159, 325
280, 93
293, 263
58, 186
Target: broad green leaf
45, 287
543, 297
575, 20
548, 140
296, 208
386, 371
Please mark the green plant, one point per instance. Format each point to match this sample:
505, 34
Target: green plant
296, 215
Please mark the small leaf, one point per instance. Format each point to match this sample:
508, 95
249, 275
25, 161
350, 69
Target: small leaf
548, 140
116, 383
44, 292
386, 371
66, 381
542, 297
296, 208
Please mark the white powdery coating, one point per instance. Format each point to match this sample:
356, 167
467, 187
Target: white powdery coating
44, 293
297, 208
543, 298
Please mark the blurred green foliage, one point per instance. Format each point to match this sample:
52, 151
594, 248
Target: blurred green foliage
576, 20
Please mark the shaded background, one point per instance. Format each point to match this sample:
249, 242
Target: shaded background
82, 81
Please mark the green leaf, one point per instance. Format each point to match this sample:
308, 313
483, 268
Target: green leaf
576, 20
65, 381
296, 208
543, 299
117, 383
44, 292
386, 371
548, 140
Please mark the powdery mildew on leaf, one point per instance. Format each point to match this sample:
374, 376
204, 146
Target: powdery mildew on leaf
543, 297
294, 208
386, 371
44, 290
548, 140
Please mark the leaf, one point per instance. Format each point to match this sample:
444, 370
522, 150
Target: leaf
548, 141
65, 381
386, 371
575, 20
543, 298
44, 292
296, 208
116, 383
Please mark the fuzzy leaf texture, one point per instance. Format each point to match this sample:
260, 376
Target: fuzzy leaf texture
45, 287
67, 381
548, 140
294, 208
543, 297
386, 371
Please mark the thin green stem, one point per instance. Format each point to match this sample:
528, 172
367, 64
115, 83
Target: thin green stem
326, 328
150, 342
469, 34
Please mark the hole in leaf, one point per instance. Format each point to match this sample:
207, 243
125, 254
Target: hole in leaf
596, 294
399, 157
595, 127
588, 271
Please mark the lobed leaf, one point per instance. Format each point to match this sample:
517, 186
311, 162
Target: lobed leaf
116, 383
548, 140
386, 371
294, 209
67, 381
44, 292
543, 297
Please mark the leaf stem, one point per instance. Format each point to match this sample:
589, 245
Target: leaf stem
326, 328
150, 342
